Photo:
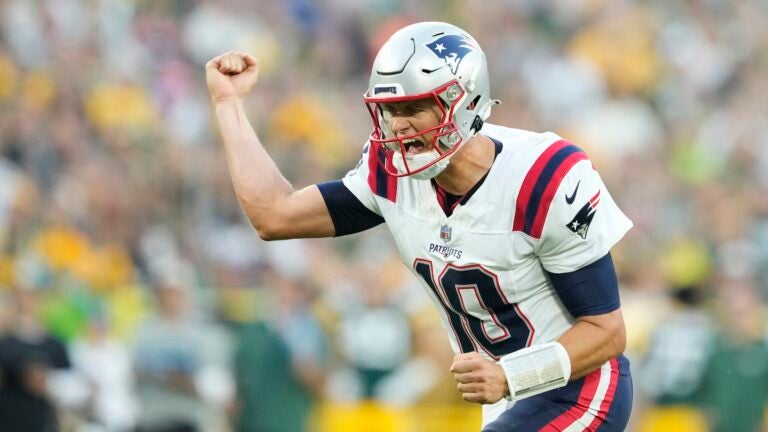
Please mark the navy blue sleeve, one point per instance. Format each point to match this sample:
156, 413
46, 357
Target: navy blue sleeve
590, 290
349, 215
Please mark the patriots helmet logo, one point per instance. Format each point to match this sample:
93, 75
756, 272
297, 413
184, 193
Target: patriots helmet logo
452, 49
580, 223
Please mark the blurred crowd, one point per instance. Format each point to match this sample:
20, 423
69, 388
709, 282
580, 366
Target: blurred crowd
134, 295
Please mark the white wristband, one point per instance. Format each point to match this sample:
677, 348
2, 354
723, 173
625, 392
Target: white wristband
536, 369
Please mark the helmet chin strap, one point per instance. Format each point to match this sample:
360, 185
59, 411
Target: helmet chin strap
418, 160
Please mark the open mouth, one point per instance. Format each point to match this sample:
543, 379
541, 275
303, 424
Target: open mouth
413, 146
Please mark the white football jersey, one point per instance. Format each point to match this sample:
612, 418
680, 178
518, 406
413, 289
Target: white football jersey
541, 207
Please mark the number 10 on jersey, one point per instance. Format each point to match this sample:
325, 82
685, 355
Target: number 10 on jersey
477, 309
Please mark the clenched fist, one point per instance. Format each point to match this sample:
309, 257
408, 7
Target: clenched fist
479, 379
231, 75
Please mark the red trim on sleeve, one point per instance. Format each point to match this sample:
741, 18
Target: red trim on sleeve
549, 193
530, 181
372, 166
381, 183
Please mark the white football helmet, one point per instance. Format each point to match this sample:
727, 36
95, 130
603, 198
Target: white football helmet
429, 60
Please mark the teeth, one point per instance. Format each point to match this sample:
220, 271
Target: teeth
412, 146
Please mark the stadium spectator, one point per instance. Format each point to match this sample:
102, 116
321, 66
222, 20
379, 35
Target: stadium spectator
286, 352
664, 96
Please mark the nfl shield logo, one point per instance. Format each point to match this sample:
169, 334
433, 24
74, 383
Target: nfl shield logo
445, 233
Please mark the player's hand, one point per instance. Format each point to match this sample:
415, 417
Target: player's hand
231, 75
479, 379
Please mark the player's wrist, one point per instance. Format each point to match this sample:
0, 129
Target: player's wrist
227, 100
534, 370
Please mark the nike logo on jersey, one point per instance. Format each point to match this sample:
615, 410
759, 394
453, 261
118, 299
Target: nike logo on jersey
570, 199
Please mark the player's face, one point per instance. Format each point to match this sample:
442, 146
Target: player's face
411, 117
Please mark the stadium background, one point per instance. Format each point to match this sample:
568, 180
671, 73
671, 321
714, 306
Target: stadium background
121, 236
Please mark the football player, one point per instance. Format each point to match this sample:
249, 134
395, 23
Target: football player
508, 231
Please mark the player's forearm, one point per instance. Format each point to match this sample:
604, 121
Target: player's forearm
258, 183
592, 341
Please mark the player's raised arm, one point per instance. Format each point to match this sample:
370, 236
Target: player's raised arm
274, 208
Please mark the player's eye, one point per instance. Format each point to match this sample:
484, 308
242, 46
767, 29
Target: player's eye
408, 109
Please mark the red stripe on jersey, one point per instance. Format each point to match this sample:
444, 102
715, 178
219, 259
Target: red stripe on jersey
595, 199
549, 193
608, 398
392, 189
391, 184
586, 396
381, 183
530, 181
373, 166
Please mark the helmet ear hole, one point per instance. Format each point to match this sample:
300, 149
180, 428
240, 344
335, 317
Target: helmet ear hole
472, 105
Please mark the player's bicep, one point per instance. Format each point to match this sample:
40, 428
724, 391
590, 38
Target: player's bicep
590, 290
328, 209
322, 210
301, 214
